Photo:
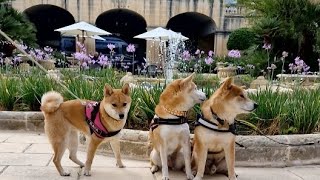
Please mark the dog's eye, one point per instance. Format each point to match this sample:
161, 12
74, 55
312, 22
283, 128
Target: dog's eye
124, 104
114, 105
242, 96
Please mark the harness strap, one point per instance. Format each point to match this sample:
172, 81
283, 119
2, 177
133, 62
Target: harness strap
95, 116
213, 126
156, 121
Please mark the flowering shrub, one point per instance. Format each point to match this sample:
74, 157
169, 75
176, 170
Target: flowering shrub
88, 60
197, 62
299, 66
234, 54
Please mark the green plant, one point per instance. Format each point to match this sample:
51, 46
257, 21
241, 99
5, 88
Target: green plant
305, 116
33, 87
241, 39
16, 25
9, 88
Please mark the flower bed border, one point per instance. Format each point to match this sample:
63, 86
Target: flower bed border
259, 151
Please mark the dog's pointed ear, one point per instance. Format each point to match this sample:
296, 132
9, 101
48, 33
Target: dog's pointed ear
126, 89
227, 84
108, 90
187, 80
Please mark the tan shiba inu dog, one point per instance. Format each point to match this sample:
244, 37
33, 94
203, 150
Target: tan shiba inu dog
170, 137
64, 119
214, 143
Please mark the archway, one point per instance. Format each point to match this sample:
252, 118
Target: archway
125, 24
47, 18
198, 27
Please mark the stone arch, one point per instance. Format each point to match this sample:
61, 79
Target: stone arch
125, 24
46, 19
199, 28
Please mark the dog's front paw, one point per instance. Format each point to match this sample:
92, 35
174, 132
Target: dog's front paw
190, 176
120, 165
165, 178
87, 172
154, 169
65, 173
233, 178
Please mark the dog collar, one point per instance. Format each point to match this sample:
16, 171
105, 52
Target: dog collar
213, 126
156, 121
175, 112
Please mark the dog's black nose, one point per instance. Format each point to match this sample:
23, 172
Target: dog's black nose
121, 116
255, 106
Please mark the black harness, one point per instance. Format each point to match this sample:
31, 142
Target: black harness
156, 121
201, 121
93, 128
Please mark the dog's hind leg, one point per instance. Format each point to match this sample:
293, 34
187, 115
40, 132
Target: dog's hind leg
115, 145
155, 161
73, 147
59, 149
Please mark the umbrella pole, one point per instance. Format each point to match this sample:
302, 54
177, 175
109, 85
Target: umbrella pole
83, 37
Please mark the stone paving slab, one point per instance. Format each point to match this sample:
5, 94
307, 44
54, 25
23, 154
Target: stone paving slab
119, 174
39, 149
265, 174
4, 136
306, 172
22, 159
36, 173
182, 176
28, 138
13, 147
102, 161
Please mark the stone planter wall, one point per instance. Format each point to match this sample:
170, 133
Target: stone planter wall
259, 150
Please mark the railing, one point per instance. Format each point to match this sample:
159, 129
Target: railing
234, 10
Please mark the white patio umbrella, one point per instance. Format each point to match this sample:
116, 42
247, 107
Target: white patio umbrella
82, 28
160, 34
93, 37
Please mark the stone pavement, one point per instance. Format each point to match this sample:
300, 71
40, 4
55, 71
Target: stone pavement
28, 156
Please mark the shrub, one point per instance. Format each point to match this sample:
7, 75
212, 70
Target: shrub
33, 87
9, 88
241, 39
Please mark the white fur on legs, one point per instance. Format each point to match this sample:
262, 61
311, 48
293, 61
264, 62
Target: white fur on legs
187, 158
155, 161
115, 145
164, 161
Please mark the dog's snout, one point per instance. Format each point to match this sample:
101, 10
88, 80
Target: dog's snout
255, 106
121, 116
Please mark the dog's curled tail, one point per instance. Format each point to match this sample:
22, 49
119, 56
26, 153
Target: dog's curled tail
51, 101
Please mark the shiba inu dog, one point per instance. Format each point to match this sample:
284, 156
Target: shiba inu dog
169, 132
214, 135
100, 121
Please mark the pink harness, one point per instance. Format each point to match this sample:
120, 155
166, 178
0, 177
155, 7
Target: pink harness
94, 121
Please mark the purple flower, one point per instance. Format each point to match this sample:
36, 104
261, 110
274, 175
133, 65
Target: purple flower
202, 52
318, 61
273, 66
22, 46
16, 59
48, 49
284, 54
186, 55
234, 54
266, 46
111, 46
208, 60
210, 53
197, 52
131, 48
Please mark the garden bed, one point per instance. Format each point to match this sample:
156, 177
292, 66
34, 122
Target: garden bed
258, 150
